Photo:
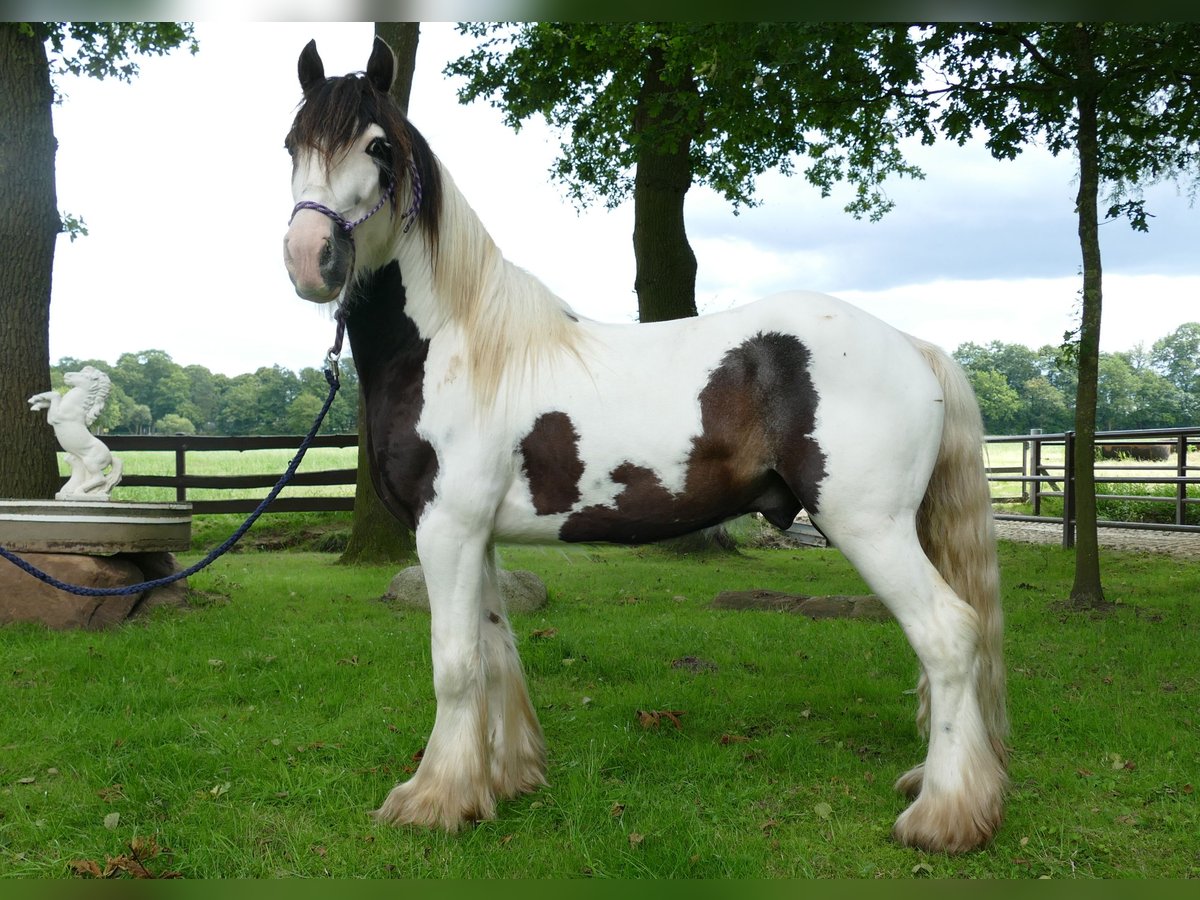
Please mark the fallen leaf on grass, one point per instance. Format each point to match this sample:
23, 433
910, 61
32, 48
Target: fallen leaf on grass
133, 863
543, 634
85, 867
652, 718
617, 809
727, 739
112, 820
635, 839
823, 810
29, 779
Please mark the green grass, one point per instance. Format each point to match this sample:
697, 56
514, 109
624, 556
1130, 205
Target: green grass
250, 734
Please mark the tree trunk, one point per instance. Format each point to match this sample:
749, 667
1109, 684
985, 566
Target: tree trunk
29, 225
377, 536
1087, 591
666, 265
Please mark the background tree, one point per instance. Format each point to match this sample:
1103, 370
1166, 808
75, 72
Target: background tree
29, 218
1176, 358
377, 536
1123, 99
649, 109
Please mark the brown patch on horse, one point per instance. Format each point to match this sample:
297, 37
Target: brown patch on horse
755, 452
550, 460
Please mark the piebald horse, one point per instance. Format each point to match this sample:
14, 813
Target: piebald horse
494, 413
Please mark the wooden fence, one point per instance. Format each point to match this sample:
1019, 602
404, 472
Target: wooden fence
1037, 477
182, 482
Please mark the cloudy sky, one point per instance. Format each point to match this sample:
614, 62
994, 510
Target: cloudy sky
182, 180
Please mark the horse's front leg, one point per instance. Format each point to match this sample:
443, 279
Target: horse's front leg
453, 783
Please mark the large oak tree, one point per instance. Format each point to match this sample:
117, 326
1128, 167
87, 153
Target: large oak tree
649, 109
31, 54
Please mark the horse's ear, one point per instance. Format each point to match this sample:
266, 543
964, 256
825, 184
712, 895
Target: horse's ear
381, 67
310, 68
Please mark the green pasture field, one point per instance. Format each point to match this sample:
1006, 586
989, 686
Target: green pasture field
250, 734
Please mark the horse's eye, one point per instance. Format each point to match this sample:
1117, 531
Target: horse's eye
380, 149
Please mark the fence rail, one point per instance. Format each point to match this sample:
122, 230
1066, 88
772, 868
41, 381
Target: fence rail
1039, 476
1152, 448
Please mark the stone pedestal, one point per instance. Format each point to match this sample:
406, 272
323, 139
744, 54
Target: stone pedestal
93, 544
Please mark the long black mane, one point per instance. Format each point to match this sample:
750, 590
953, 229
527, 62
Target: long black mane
336, 111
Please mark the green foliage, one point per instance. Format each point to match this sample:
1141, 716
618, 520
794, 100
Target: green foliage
151, 389
750, 96
173, 423
1018, 83
1019, 388
73, 226
104, 49
251, 734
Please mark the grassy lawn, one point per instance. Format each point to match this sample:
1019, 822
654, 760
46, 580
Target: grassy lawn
249, 735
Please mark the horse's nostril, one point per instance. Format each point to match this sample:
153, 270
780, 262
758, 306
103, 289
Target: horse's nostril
326, 254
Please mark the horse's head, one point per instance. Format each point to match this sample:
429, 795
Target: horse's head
352, 156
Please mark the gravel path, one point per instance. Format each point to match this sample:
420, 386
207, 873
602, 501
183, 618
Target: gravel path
1182, 544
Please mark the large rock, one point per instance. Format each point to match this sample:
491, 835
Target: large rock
522, 590
833, 607
24, 598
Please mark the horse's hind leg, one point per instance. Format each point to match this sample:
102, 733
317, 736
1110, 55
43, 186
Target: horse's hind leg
960, 788
518, 748
453, 783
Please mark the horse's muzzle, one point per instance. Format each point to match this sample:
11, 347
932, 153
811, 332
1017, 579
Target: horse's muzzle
318, 256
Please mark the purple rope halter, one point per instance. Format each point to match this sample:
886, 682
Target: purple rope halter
347, 226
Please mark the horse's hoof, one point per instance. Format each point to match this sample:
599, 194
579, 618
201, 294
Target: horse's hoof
409, 804
951, 825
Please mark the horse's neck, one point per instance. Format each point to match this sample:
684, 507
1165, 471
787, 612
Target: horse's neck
386, 342
445, 284
504, 319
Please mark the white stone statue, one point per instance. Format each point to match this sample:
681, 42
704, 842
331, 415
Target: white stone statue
70, 415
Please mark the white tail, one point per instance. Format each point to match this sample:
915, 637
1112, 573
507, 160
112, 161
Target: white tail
957, 532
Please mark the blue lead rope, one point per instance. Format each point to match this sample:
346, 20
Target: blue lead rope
331, 376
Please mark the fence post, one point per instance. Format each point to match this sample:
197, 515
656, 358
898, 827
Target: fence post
180, 472
1181, 472
1032, 490
1068, 538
